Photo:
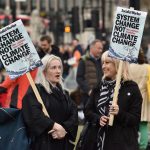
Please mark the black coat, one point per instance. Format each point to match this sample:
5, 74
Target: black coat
123, 134
61, 110
54, 51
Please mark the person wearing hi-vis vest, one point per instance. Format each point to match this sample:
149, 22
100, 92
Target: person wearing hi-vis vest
58, 131
123, 135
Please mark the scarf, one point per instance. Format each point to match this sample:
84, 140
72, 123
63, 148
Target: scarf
58, 92
106, 97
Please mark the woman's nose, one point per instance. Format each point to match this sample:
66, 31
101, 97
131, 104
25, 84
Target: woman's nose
58, 70
103, 65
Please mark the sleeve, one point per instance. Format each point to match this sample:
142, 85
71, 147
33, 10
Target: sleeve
81, 77
71, 124
90, 109
34, 117
77, 55
131, 116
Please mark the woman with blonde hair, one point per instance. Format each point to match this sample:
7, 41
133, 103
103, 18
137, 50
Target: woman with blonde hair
54, 132
123, 135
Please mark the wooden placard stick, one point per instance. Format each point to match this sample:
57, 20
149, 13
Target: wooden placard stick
36, 93
115, 97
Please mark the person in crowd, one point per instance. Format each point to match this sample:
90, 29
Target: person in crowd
123, 135
140, 76
70, 81
77, 50
57, 131
65, 55
46, 47
89, 71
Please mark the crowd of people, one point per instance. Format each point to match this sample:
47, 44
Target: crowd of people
73, 77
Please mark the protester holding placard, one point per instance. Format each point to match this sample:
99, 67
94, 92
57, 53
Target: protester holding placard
57, 131
141, 76
123, 135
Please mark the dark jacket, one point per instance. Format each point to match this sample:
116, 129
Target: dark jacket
123, 134
89, 73
54, 51
78, 48
61, 110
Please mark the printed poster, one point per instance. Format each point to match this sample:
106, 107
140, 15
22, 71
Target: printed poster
127, 34
17, 51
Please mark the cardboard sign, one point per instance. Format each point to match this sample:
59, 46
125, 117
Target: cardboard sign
127, 34
17, 51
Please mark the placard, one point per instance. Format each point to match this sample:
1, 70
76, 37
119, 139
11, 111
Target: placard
17, 51
127, 34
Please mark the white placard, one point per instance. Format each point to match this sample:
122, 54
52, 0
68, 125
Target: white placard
127, 34
17, 51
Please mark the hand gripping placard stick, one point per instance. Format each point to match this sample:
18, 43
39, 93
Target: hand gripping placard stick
116, 91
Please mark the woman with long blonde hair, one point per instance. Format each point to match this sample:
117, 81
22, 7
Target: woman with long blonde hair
123, 135
54, 132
